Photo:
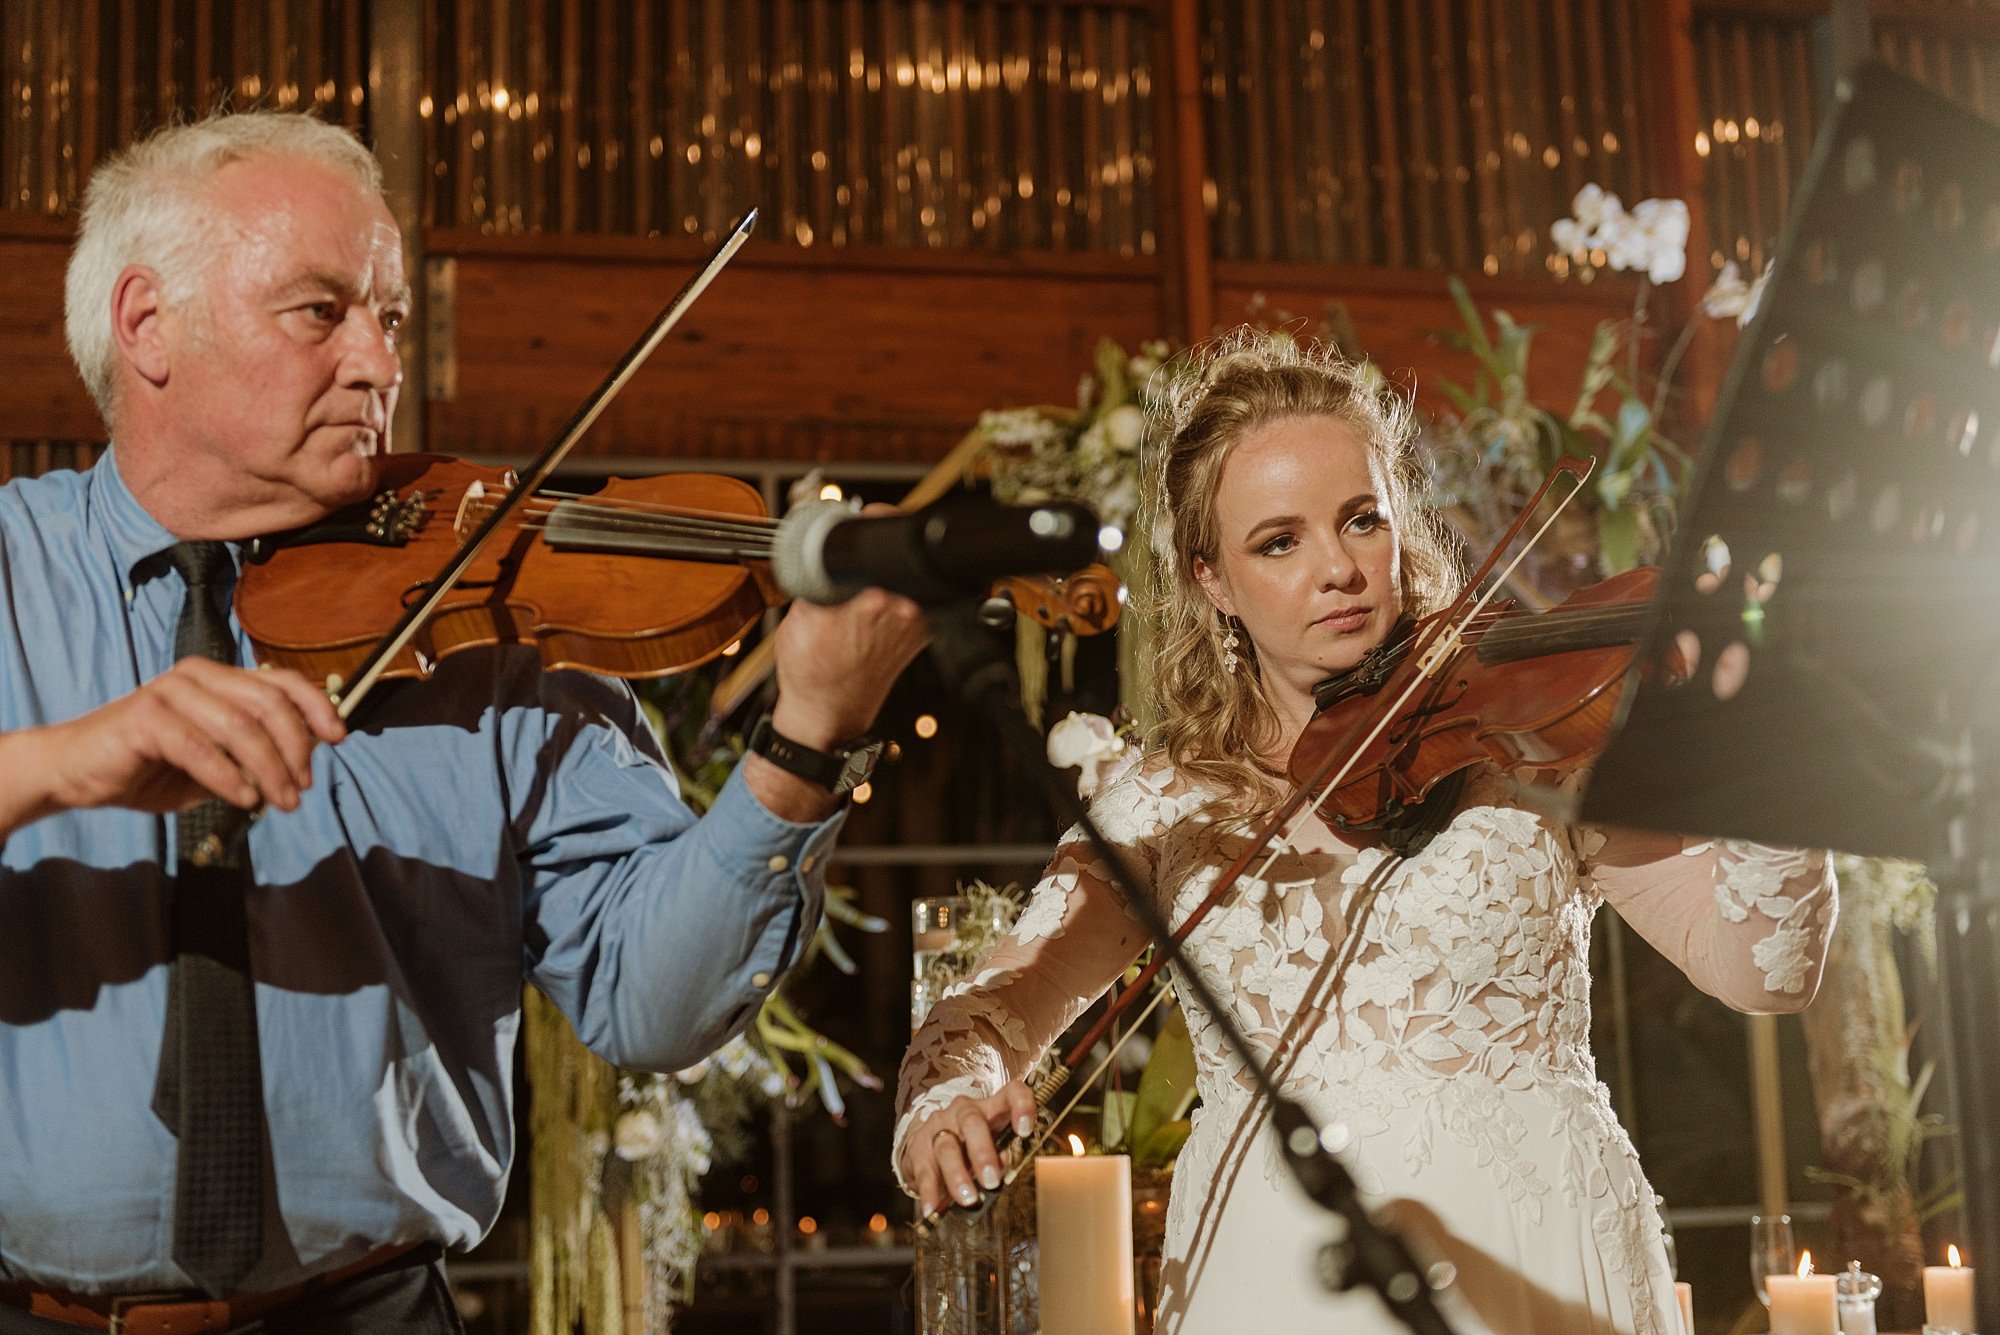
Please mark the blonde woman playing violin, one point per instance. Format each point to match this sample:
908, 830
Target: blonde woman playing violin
1436, 1004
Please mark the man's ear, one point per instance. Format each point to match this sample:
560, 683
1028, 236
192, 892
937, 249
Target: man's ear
138, 311
1211, 584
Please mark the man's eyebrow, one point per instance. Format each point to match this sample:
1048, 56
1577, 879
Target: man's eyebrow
315, 280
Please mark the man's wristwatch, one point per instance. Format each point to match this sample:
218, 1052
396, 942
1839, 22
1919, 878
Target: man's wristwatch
838, 771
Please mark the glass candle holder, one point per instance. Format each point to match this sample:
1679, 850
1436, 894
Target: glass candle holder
934, 922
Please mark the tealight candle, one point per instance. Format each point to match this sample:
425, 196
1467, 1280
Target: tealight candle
1083, 1212
1948, 1295
1803, 1304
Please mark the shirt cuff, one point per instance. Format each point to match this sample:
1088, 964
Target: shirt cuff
795, 857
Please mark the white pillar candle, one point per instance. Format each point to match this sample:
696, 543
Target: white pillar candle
1948, 1295
1083, 1211
1684, 1292
1803, 1304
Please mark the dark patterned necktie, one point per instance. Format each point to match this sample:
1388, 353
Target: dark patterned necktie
210, 1091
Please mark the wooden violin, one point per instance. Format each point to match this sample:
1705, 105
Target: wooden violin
645, 578
1517, 691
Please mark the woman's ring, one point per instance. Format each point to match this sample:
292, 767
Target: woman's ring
944, 1131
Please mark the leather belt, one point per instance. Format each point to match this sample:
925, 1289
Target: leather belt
188, 1313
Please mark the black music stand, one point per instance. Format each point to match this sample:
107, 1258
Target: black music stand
1837, 566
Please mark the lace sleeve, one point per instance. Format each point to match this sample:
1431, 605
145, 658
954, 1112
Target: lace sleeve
1748, 924
1073, 938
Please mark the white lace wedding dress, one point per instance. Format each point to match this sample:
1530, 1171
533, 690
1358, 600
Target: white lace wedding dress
1449, 1033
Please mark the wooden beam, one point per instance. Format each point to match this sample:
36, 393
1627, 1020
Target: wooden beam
1674, 113
1185, 199
395, 87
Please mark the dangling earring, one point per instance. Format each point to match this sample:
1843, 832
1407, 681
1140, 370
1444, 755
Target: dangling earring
1229, 643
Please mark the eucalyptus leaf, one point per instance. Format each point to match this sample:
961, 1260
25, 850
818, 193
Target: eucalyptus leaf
1117, 1121
1618, 539
1158, 1149
1166, 1088
1475, 327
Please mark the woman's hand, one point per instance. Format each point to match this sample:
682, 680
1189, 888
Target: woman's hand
950, 1154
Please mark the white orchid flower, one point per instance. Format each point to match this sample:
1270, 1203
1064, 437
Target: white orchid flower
1086, 742
1664, 224
1592, 204
1726, 299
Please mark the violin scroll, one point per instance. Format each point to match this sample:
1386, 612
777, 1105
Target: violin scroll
1083, 603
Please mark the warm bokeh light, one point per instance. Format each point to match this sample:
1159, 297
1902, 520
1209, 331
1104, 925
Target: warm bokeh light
711, 1221
760, 1216
926, 725
735, 646
831, 492
878, 1223
863, 793
808, 1225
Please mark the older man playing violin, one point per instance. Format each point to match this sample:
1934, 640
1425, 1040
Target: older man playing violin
262, 1095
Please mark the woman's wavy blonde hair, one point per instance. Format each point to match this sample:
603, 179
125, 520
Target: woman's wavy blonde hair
1215, 725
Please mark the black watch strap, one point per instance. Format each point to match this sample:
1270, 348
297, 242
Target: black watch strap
838, 771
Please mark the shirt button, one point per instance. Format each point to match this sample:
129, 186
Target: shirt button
779, 862
760, 979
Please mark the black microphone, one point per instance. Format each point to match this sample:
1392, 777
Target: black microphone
952, 549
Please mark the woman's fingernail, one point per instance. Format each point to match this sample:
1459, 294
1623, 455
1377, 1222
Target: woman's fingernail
967, 1196
991, 1177
1024, 1125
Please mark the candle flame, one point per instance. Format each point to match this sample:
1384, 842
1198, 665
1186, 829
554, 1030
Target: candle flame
1805, 1264
1952, 1252
1076, 1145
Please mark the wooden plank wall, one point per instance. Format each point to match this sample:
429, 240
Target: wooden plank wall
822, 354
971, 291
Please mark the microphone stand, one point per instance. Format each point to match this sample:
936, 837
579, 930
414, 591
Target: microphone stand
1361, 1251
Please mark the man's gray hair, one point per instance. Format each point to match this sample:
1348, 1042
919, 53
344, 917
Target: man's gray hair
145, 206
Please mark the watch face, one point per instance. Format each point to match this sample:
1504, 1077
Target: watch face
859, 765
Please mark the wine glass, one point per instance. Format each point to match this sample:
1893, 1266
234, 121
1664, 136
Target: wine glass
1771, 1251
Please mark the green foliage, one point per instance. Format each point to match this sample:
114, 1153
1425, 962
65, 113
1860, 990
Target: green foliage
1151, 1123
1509, 443
1907, 1130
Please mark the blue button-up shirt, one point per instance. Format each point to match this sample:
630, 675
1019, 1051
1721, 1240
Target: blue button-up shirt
491, 822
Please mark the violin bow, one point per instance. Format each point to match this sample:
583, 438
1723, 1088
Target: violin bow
348, 694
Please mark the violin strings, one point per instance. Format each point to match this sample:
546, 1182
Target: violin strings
586, 518
661, 508
549, 501
723, 547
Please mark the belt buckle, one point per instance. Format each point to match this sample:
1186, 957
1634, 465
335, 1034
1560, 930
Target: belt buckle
123, 1304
